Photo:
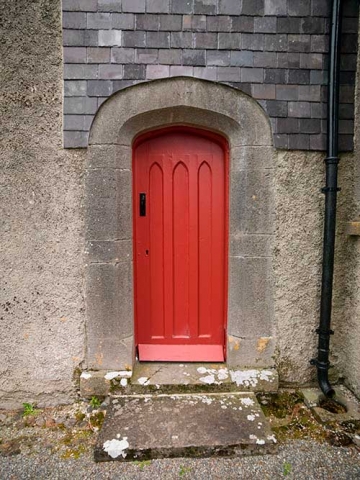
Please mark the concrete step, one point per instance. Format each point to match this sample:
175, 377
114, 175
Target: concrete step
142, 427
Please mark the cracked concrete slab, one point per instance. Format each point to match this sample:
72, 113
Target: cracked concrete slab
140, 427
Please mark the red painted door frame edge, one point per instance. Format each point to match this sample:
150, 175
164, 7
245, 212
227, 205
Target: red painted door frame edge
178, 353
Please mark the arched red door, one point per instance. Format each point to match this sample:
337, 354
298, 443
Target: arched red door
180, 245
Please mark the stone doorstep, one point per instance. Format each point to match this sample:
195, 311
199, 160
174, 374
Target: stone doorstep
142, 427
155, 377
313, 396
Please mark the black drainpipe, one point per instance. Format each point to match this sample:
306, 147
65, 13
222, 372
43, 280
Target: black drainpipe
331, 161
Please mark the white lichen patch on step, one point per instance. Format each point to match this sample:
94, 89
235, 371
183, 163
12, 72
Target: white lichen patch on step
260, 442
143, 381
214, 376
114, 448
85, 375
251, 417
250, 378
123, 382
248, 402
209, 379
112, 375
272, 438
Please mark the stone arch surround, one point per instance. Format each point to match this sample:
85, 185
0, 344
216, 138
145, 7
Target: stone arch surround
108, 238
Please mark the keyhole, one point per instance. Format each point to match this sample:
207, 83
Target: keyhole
146, 252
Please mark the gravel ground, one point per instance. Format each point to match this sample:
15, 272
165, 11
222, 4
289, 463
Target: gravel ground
295, 460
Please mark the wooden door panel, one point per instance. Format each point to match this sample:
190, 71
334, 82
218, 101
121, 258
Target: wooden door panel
180, 247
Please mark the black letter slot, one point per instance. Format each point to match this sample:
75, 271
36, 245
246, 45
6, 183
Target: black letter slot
142, 204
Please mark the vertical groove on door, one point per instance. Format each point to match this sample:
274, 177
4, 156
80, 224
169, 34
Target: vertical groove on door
181, 251
205, 248
156, 251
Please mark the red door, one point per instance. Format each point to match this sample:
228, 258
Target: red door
180, 223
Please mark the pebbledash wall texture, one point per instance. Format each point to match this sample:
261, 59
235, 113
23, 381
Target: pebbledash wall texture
273, 50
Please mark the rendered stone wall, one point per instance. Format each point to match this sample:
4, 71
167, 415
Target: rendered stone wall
273, 50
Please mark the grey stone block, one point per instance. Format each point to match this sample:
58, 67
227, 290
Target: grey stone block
252, 41
108, 205
108, 156
73, 38
228, 74
133, 6
134, 39
299, 142
109, 6
80, 72
348, 62
180, 71
262, 91
145, 21
79, 5
320, 8
134, 72
312, 25
111, 72
288, 125
277, 43
122, 55
148, 55
252, 158
288, 25
264, 59
346, 94
206, 7
80, 123
277, 108
265, 25
123, 21
299, 77
275, 7
111, 38
98, 55
94, 384
91, 38
157, 71
318, 77
299, 9
345, 127
320, 43
252, 75
214, 58
252, 7
346, 111
99, 20
112, 251
198, 22
181, 40
158, 39
242, 24
242, 58
310, 125
206, 40
194, 57
309, 93
75, 139
319, 110
288, 60
312, 61
299, 43
74, 54
75, 88
229, 7
346, 143
281, 141
74, 20
182, 6
219, 24
299, 109
250, 310
318, 142
170, 57
170, 23
275, 75
109, 308
206, 73
99, 88
158, 6
229, 41
79, 105
287, 92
